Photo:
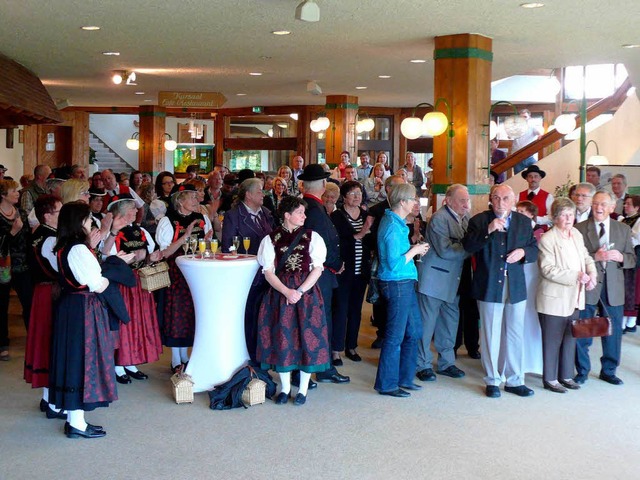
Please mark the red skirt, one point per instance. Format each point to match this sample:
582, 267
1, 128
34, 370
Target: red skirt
38, 348
139, 340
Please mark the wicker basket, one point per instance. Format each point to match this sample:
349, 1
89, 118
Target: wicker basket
182, 387
154, 277
254, 393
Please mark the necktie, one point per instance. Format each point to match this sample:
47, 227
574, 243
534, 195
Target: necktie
530, 196
601, 234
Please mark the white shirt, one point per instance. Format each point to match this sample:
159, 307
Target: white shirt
85, 268
164, 232
47, 252
581, 217
267, 254
546, 219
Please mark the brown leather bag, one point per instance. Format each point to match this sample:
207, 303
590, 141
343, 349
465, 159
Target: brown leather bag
594, 326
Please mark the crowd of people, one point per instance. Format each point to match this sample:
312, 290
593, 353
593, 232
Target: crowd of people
523, 270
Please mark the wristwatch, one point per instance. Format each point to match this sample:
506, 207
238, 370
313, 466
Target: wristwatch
300, 291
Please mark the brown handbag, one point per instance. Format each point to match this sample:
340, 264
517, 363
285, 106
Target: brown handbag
594, 326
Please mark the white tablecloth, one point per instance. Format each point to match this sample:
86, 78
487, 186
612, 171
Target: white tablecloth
219, 289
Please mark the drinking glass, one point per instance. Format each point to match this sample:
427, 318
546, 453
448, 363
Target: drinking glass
214, 246
246, 243
202, 247
236, 244
194, 244
185, 246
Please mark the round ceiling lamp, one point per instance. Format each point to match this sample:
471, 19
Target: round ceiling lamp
435, 123
565, 123
314, 126
598, 160
133, 143
323, 123
170, 144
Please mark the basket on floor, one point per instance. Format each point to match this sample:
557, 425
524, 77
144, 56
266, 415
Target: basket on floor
182, 387
254, 392
154, 277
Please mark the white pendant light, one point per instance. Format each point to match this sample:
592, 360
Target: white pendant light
314, 126
323, 122
411, 127
565, 123
435, 123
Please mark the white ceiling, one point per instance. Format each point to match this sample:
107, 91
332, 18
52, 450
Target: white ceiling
212, 45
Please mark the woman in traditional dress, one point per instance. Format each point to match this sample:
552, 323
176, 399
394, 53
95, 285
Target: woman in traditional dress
292, 331
631, 278
140, 338
81, 376
178, 314
43, 266
14, 238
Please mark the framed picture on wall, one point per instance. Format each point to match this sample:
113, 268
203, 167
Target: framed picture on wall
9, 141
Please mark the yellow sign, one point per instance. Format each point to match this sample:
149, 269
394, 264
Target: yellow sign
191, 99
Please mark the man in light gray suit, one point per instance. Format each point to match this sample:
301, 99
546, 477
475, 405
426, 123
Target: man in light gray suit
438, 281
609, 243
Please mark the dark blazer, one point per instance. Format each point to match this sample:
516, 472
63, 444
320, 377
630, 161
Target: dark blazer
377, 212
239, 222
319, 221
348, 243
491, 251
620, 234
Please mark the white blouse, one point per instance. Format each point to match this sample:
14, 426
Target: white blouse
267, 253
164, 232
85, 268
47, 252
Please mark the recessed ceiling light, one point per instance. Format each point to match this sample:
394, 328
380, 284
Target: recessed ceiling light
418, 60
361, 88
384, 76
265, 57
148, 100
255, 74
631, 45
240, 94
90, 28
113, 54
281, 32
532, 5
139, 93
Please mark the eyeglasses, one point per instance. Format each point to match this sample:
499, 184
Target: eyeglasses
355, 193
86, 192
170, 182
582, 195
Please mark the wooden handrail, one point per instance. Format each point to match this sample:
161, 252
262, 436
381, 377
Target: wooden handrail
598, 108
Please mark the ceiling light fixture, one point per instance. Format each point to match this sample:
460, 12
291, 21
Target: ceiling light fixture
320, 124
532, 5
361, 88
281, 32
120, 75
90, 28
131, 78
111, 54
170, 144
240, 94
255, 74
308, 11
134, 143
418, 60
631, 45
117, 78
384, 76
139, 93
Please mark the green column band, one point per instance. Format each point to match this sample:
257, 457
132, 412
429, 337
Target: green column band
152, 114
441, 188
346, 106
463, 53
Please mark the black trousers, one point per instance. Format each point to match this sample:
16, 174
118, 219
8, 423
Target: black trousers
347, 311
21, 283
469, 324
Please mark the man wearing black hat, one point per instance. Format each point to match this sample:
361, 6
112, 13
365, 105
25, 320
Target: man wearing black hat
2, 172
314, 179
541, 198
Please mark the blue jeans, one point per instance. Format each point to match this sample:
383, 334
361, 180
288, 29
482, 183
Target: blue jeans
611, 345
399, 353
524, 164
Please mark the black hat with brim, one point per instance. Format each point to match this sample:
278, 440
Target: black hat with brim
533, 169
313, 172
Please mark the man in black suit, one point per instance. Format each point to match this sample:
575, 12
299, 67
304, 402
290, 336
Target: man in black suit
502, 241
314, 181
609, 243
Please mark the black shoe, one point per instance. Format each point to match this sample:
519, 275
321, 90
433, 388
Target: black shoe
581, 378
492, 391
123, 379
354, 357
377, 343
137, 375
520, 390
51, 413
452, 371
91, 432
176, 369
630, 329
43, 405
335, 378
426, 375
412, 386
475, 355
570, 384
554, 388
300, 399
337, 362
399, 393
282, 398
612, 379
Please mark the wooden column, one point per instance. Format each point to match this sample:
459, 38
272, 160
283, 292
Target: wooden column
463, 79
341, 111
151, 153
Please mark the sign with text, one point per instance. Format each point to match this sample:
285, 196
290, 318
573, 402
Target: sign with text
191, 99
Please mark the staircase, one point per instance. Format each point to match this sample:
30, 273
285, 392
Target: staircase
106, 157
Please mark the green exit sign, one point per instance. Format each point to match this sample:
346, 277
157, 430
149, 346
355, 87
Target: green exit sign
257, 109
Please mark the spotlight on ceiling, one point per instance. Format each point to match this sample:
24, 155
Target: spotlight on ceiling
120, 75
308, 11
117, 78
131, 78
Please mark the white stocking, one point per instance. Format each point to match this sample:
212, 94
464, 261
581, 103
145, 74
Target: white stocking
76, 419
184, 354
45, 394
304, 382
131, 368
120, 371
285, 381
175, 356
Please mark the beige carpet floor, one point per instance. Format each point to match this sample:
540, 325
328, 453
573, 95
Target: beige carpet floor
447, 430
